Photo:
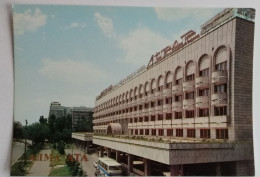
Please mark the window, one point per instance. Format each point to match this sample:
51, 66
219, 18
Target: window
221, 66
220, 111
169, 132
152, 91
203, 112
160, 88
204, 92
190, 114
220, 88
145, 93
190, 95
178, 115
146, 131
146, 105
136, 131
146, 118
178, 98
130, 120
169, 85
190, 77
141, 131
160, 102
152, 104
178, 81
160, 117
204, 133
204, 72
153, 131
140, 107
140, 119
191, 133
135, 108
222, 133
179, 132
153, 118
140, 95
135, 119
168, 100
168, 116
160, 131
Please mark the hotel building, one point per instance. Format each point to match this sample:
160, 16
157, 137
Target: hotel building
189, 111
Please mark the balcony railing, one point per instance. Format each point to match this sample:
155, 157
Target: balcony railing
159, 95
176, 106
188, 86
219, 77
158, 109
202, 82
151, 97
167, 108
202, 101
188, 104
176, 89
167, 92
219, 99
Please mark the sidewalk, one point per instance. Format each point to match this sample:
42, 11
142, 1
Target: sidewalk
40, 168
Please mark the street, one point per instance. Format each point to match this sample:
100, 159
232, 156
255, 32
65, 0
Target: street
17, 152
87, 166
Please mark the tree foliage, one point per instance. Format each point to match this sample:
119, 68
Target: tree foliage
17, 130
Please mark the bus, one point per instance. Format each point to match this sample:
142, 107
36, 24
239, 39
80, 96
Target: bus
108, 167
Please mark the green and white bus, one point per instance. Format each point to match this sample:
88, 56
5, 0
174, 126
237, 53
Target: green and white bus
109, 167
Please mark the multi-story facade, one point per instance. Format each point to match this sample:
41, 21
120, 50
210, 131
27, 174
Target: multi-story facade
190, 108
81, 113
58, 110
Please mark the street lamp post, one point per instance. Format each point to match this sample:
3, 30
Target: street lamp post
25, 142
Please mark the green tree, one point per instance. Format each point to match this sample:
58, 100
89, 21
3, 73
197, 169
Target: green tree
43, 120
37, 132
17, 130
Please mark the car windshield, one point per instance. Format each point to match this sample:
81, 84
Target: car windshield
114, 168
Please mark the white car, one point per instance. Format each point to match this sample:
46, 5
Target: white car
95, 164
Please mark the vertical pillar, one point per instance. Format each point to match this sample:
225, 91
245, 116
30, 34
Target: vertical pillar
118, 156
101, 152
108, 152
147, 167
218, 170
176, 170
130, 163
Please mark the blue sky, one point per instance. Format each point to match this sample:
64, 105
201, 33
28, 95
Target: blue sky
71, 53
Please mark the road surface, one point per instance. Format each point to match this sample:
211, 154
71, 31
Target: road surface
17, 152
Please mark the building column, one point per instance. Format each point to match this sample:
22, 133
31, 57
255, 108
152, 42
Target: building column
101, 152
147, 167
176, 170
130, 163
218, 170
117, 156
109, 152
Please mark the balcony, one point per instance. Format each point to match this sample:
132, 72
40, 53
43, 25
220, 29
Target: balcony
188, 104
151, 110
202, 82
177, 106
158, 109
177, 89
219, 77
219, 121
202, 101
219, 99
139, 100
167, 92
167, 108
145, 99
151, 97
145, 111
188, 86
159, 95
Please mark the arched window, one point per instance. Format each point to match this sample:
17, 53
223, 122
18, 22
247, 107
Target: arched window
190, 71
204, 64
146, 88
221, 58
178, 76
153, 86
160, 83
168, 80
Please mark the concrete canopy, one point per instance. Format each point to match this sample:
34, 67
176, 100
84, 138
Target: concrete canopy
114, 128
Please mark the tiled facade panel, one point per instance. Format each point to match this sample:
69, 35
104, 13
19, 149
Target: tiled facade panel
243, 73
213, 71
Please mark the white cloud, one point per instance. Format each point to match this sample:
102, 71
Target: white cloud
141, 44
75, 25
105, 24
75, 72
28, 21
169, 14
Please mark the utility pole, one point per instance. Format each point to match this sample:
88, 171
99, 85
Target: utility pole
25, 142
